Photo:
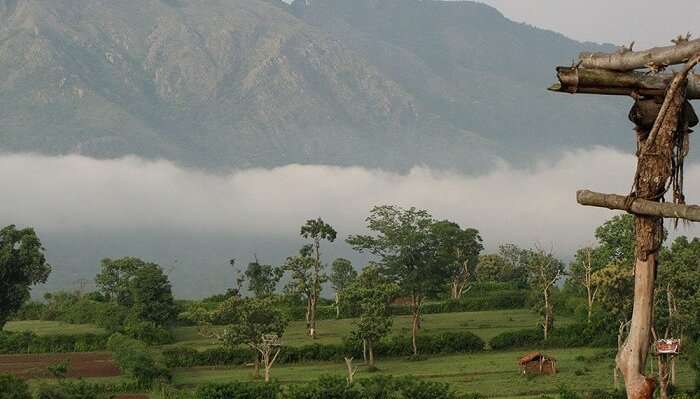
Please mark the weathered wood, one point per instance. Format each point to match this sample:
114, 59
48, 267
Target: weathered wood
628, 60
639, 206
599, 81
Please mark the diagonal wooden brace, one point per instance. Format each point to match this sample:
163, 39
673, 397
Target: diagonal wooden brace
638, 206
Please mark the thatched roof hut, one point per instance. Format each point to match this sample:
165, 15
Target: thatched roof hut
537, 363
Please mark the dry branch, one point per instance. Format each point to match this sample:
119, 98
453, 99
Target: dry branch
600, 81
628, 60
639, 206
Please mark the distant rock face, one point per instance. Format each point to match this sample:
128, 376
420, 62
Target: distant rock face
241, 83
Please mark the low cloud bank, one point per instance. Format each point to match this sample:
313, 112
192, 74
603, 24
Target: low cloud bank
75, 193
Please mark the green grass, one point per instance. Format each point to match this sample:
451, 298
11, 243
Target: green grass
485, 324
52, 327
494, 374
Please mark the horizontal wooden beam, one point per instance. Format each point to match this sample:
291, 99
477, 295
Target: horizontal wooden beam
639, 206
628, 60
600, 81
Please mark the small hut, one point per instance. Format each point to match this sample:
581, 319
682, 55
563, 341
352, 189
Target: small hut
536, 363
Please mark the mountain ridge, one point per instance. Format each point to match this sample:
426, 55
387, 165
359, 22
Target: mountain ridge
257, 83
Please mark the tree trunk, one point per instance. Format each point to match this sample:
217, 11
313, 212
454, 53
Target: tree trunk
673, 371
312, 318
337, 305
370, 350
256, 365
590, 304
351, 371
546, 314
364, 350
639, 206
663, 377
415, 320
631, 358
629, 60
266, 360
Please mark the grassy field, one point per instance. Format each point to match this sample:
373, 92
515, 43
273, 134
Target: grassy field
494, 374
484, 324
52, 328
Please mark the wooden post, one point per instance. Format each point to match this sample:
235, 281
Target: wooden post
655, 167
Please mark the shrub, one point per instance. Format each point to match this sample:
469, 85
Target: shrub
81, 390
458, 342
149, 332
134, 358
517, 339
239, 390
27, 342
12, 387
575, 335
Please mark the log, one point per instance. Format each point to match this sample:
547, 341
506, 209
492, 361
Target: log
599, 81
628, 60
639, 206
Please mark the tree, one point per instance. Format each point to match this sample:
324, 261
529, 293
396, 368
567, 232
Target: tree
581, 270
302, 282
518, 263
371, 293
407, 250
493, 268
152, 296
615, 246
22, 265
316, 231
616, 240
677, 302
545, 272
342, 275
139, 286
459, 250
254, 322
262, 279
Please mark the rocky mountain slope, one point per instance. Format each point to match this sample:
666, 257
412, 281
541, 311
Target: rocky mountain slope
257, 83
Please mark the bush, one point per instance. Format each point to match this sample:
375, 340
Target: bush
27, 342
148, 332
81, 390
575, 335
376, 387
134, 358
12, 387
239, 390
461, 342
517, 339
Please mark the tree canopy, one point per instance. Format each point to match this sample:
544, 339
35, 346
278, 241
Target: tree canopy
22, 265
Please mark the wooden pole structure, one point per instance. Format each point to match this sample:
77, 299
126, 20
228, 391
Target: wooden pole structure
639, 206
660, 150
628, 60
600, 81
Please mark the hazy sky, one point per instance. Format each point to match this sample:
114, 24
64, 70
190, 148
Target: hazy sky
649, 23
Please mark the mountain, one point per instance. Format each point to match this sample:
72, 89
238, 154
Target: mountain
226, 84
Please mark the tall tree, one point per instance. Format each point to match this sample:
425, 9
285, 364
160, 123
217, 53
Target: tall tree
371, 294
152, 296
140, 286
22, 265
262, 279
459, 249
407, 252
545, 272
316, 230
254, 322
342, 275
518, 260
302, 279
581, 269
